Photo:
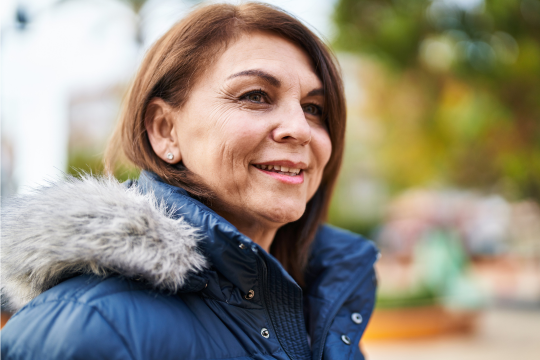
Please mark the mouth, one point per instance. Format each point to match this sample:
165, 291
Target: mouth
284, 174
283, 170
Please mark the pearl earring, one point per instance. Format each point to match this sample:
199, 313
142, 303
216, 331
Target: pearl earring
170, 156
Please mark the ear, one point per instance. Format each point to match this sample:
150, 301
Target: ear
160, 124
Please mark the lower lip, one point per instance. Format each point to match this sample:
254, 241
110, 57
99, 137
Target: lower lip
298, 179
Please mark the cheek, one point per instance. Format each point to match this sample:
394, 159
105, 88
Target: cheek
237, 140
322, 148
232, 145
216, 140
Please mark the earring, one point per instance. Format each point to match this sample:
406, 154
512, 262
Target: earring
170, 156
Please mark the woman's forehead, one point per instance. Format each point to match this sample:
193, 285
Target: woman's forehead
267, 56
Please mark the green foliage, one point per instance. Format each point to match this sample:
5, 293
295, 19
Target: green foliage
416, 298
85, 161
386, 28
461, 97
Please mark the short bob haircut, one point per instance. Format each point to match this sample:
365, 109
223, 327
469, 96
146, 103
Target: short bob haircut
171, 68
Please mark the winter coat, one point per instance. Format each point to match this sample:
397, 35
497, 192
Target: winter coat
102, 270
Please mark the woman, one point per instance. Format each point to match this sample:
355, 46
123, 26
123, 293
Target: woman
217, 251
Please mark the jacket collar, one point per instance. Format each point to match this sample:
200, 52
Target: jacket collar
227, 251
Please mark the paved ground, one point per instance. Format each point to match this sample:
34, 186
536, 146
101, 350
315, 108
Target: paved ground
501, 335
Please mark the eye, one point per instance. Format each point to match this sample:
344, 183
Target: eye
313, 109
257, 96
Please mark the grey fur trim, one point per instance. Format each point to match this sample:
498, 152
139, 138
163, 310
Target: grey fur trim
92, 225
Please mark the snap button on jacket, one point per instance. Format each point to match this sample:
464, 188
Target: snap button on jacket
102, 270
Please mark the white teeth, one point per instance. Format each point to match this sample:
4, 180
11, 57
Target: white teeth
281, 169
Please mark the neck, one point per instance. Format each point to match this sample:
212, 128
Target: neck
261, 234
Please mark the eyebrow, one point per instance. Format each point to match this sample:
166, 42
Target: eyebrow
259, 73
316, 92
271, 80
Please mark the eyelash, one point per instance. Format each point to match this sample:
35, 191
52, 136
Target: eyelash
263, 94
253, 92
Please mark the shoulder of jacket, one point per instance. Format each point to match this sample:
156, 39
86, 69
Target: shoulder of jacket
92, 290
119, 314
114, 297
60, 324
330, 237
334, 231
335, 251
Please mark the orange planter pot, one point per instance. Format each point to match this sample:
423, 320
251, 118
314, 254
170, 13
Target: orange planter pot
415, 322
4, 318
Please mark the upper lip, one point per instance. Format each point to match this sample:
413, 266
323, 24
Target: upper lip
286, 163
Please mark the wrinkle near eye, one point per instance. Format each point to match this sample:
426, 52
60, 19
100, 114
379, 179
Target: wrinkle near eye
240, 97
222, 115
226, 94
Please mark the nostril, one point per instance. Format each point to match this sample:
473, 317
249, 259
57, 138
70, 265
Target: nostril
292, 132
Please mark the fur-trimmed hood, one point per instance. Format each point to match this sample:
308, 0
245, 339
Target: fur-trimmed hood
97, 226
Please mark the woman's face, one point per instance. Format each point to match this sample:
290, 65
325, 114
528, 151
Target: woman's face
252, 130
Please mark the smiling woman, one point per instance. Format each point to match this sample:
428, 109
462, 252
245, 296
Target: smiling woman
269, 115
211, 56
218, 251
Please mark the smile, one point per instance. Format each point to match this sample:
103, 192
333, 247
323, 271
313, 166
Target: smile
283, 170
284, 174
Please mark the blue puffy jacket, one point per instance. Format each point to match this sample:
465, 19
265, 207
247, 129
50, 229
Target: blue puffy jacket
102, 270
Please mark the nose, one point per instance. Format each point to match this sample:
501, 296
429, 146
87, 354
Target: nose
293, 127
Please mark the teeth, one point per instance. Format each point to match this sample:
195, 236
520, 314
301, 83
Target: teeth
281, 169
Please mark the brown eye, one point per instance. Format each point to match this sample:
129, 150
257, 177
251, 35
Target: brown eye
312, 109
255, 97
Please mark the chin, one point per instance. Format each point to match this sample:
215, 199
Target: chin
285, 213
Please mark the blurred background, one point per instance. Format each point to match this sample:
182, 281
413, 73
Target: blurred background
442, 163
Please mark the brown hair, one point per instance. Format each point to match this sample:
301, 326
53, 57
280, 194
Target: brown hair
172, 66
